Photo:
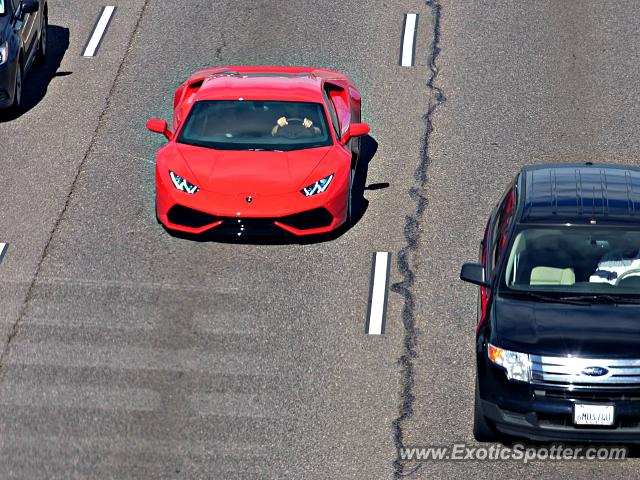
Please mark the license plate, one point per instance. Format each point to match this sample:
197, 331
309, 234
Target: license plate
593, 414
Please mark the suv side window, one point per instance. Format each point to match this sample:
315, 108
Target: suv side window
502, 222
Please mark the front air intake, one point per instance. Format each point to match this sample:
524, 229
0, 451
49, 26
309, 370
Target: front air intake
316, 218
188, 217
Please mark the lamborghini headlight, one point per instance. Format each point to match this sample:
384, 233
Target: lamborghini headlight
182, 185
517, 365
318, 187
4, 52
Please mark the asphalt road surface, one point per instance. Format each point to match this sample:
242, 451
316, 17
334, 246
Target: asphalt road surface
131, 354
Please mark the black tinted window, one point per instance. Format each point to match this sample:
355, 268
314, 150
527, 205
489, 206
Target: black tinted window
255, 125
575, 260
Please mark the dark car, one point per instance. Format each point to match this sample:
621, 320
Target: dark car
23, 41
558, 334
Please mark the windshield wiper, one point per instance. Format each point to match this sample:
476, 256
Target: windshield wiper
262, 150
549, 299
605, 298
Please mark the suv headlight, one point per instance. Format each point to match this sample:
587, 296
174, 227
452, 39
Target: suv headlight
182, 185
318, 187
4, 53
517, 365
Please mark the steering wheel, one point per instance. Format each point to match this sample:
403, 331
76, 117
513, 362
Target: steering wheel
293, 129
629, 273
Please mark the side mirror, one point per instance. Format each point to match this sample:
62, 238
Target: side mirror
159, 126
474, 273
355, 130
27, 6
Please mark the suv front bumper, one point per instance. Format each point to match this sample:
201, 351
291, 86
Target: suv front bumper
544, 413
7, 84
551, 421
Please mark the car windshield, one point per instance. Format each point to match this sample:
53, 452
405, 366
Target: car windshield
255, 125
2, 11
574, 261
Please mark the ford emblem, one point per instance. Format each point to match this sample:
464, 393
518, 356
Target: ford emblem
595, 371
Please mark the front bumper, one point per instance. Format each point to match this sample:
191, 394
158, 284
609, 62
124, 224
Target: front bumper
7, 84
289, 213
552, 422
545, 414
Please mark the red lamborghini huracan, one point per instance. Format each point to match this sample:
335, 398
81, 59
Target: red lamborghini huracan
259, 150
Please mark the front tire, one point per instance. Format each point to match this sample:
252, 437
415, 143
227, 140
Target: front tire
17, 94
155, 210
352, 175
42, 47
482, 431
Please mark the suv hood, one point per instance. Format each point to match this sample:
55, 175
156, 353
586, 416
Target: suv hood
597, 330
263, 172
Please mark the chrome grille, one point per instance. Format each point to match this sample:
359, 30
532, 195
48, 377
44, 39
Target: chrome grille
569, 371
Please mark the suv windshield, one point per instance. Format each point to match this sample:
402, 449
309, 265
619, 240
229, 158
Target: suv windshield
574, 261
255, 125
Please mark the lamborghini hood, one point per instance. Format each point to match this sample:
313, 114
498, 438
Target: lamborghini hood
263, 172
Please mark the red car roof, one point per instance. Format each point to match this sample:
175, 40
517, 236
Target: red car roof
262, 86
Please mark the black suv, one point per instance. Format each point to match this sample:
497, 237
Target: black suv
558, 335
23, 40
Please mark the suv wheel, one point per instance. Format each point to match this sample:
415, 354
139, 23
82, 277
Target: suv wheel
42, 48
17, 94
482, 431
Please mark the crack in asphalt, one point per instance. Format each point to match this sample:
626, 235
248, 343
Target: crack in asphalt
15, 328
223, 38
404, 257
221, 47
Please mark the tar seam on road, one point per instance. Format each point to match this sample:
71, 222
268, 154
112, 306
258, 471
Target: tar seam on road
412, 237
378, 293
15, 328
98, 31
3, 250
408, 44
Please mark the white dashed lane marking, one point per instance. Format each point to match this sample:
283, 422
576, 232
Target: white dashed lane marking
407, 52
100, 28
378, 293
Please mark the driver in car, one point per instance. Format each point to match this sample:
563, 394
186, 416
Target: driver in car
613, 266
291, 115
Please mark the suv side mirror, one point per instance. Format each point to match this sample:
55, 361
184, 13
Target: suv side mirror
474, 273
159, 126
355, 130
27, 6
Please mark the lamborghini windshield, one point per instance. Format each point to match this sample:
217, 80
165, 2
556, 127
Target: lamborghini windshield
574, 261
255, 125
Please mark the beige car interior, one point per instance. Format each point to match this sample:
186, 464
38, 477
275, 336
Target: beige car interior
540, 274
552, 276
